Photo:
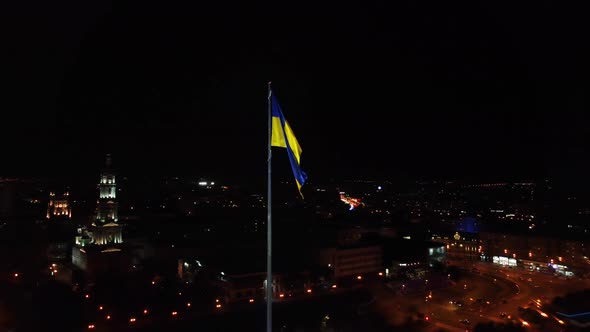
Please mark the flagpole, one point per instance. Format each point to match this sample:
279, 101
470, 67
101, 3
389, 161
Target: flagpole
269, 222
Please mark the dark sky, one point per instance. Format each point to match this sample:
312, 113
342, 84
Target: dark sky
371, 88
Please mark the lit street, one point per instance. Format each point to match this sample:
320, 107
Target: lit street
484, 294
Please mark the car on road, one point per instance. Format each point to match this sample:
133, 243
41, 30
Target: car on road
458, 303
422, 317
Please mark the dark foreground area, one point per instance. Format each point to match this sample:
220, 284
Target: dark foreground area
341, 312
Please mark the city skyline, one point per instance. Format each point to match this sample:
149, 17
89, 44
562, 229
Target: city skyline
445, 147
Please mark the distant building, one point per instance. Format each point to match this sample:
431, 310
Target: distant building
105, 230
352, 254
57, 251
234, 275
59, 206
461, 245
540, 253
98, 247
241, 287
412, 258
353, 261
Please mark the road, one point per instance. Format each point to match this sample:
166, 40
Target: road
485, 292
536, 289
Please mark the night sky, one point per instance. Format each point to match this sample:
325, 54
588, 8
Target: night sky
375, 88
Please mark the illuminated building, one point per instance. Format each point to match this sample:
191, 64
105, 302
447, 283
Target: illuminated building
98, 247
106, 210
461, 245
59, 206
541, 253
105, 229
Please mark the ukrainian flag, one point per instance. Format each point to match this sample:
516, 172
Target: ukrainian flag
283, 136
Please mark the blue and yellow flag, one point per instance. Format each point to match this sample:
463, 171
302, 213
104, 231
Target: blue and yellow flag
283, 136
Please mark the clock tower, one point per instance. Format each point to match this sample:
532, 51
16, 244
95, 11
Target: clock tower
106, 209
105, 228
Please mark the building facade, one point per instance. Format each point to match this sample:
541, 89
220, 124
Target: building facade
59, 206
460, 245
536, 252
98, 247
354, 261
